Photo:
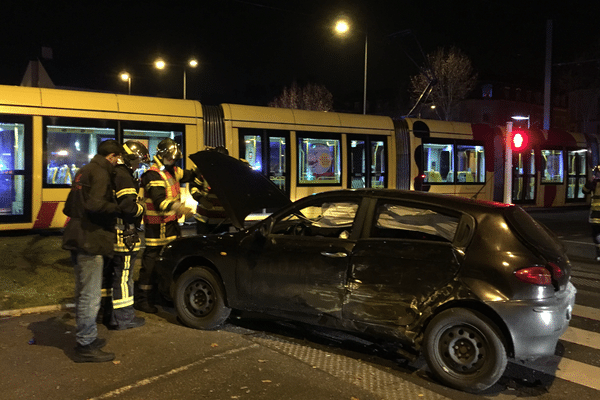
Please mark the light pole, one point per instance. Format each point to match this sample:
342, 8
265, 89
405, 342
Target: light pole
161, 64
342, 27
127, 78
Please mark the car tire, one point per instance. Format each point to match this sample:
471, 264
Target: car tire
464, 350
200, 299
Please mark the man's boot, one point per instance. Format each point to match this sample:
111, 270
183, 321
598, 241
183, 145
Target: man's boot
143, 302
92, 352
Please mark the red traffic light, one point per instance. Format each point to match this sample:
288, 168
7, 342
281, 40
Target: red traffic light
519, 140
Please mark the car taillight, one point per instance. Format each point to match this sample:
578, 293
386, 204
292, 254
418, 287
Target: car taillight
534, 275
557, 271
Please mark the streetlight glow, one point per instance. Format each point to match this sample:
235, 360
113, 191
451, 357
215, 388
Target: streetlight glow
160, 63
192, 63
126, 78
342, 27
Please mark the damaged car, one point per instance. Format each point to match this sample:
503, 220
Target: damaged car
467, 283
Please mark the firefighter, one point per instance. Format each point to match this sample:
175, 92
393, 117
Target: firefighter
593, 188
162, 198
118, 272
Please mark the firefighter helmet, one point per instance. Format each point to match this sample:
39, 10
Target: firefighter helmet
134, 150
168, 148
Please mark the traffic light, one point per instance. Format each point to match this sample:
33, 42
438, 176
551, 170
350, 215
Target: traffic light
519, 140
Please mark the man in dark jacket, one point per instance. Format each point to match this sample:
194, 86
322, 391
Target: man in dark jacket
89, 235
118, 273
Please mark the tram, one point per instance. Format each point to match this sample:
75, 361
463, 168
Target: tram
46, 135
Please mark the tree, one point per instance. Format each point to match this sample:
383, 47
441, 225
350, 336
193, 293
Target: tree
310, 97
455, 80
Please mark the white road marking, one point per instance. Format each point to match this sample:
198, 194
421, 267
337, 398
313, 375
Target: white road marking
586, 312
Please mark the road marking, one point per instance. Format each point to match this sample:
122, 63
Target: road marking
586, 312
183, 368
579, 274
570, 370
582, 337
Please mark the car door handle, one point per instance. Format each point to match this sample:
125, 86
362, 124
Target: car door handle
339, 254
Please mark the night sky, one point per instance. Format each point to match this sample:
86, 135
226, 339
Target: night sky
249, 50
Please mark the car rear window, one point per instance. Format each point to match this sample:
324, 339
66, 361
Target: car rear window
532, 231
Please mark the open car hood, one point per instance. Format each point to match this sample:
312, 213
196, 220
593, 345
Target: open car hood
240, 189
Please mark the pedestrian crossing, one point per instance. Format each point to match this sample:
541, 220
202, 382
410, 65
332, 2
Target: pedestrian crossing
577, 364
572, 370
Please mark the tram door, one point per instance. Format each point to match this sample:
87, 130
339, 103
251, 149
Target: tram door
523, 179
366, 162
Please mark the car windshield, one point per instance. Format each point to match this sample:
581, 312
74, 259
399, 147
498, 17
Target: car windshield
532, 231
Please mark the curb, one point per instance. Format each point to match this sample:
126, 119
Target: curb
35, 310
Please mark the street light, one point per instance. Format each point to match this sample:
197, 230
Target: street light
342, 28
161, 64
127, 78
522, 118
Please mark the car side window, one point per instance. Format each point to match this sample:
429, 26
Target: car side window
328, 219
396, 221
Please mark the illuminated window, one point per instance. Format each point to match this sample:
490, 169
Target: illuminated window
151, 138
319, 161
470, 163
367, 162
552, 166
266, 152
577, 169
438, 162
453, 163
69, 148
12, 170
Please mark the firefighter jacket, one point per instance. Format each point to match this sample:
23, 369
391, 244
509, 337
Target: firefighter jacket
92, 209
593, 188
127, 188
162, 197
209, 209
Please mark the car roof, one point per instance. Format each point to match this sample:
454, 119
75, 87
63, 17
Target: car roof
454, 202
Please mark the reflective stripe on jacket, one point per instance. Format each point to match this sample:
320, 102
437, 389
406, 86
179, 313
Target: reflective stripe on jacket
172, 190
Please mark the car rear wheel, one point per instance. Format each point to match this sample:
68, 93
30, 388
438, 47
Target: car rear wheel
464, 350
200, 299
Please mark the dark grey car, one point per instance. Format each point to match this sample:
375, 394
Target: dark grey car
466, 282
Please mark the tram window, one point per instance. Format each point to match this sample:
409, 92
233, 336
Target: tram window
12, 169
319, 161
266, 152
439, 162
68, 148
552, 166
377, 164
577, 169
471, 163
151, 138
366, 162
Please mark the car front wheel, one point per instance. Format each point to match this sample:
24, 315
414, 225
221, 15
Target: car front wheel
464, 350
200, 299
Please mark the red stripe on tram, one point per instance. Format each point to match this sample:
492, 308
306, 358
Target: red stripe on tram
46, 214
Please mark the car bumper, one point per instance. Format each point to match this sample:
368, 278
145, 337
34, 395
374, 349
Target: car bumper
535, 326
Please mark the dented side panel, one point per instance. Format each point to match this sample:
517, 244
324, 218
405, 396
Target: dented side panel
301, 274
392, 281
